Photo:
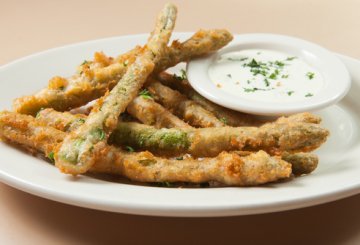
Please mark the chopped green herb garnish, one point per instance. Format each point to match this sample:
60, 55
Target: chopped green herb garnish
98, 133
237, 59
229, 75
183, 74
179, 158
309, 95
285, 76
267, 83
249, 90
84, 62
257, 71
310, 75
223, 120
291, 58
290, 93
258, 53
145, 94
273, 76
51, 157
248, 81
253, 63
129, 149
279, 63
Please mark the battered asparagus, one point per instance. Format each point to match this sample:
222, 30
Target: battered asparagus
190, 111
302, 163
77, 152
93, 81
274, 138
227, 168
277, 137
151, 113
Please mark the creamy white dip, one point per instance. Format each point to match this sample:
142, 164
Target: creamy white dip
265, 75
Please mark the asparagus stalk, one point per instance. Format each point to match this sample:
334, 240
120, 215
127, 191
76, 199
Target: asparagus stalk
76, 154
151, 113
227, 168
285, 134
190, 111
93, 81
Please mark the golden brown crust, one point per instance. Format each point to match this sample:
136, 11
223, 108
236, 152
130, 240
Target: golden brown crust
93, 80
184, 108
227, 168
151, 113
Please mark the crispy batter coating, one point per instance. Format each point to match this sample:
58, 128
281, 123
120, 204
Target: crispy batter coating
149, 112
301, 162
276, 137
305, 117
190, 111
93, 80
201, 43
77, 153
227, 168
173, 142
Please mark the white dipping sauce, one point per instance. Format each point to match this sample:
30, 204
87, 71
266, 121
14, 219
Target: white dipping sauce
265, 75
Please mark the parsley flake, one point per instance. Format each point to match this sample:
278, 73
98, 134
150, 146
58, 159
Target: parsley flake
290, 93
98, 133
145, 94
310, 75
51, 157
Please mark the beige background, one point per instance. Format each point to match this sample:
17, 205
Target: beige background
31, 26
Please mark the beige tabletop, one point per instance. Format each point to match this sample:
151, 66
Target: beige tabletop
31, 26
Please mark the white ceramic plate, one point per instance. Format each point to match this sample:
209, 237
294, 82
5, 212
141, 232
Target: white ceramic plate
336, 177
336, 77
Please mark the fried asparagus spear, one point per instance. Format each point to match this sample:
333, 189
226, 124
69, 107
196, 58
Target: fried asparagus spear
190, 111
76, 153
302, 163
151, 113
227, 168
94, 80
274, 138
286, 134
